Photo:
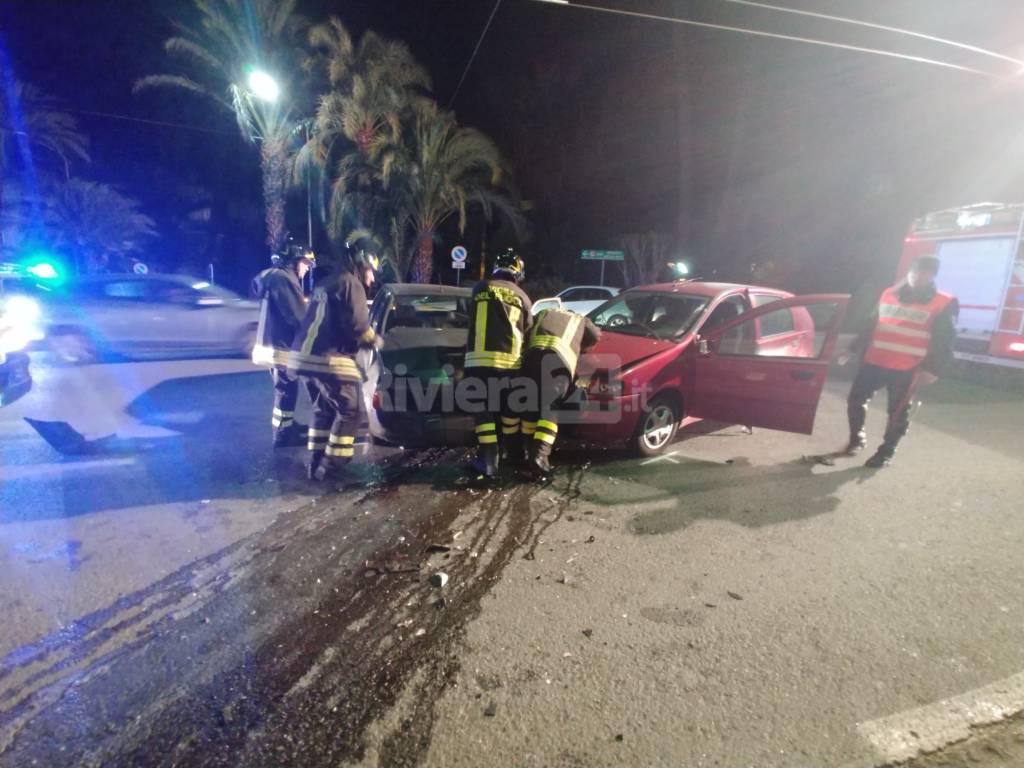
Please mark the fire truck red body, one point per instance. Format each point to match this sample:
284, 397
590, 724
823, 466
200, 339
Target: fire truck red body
983, 266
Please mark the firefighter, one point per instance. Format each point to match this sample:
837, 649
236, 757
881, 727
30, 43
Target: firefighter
553, 348
282, 305
498, 323
335, 326
906, 347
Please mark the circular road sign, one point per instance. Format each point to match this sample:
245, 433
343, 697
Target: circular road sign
459, 253
140, 268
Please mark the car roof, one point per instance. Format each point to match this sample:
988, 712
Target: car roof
405, 289
700, 288
118, 276
599, 287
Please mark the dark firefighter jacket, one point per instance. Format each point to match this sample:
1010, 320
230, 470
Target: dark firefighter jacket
335, 325
498, 323
563, 332
943, 331
281, 309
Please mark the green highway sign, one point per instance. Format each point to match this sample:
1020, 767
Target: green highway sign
603, 255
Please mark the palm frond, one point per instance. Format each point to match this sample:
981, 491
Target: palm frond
185, 47
169, 81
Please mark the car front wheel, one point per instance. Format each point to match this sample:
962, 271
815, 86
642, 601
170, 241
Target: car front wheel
73, 348
657, 427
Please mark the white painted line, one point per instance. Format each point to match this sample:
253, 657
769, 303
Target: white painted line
907, 734
670, 456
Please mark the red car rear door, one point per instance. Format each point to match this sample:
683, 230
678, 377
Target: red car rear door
740, 380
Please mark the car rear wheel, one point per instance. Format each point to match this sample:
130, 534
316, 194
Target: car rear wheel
73, 348
657, 427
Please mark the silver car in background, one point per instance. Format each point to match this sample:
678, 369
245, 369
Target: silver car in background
144, 316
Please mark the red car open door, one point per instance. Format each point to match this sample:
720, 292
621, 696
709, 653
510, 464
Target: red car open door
740, 380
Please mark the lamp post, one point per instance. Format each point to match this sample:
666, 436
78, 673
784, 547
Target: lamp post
264, 87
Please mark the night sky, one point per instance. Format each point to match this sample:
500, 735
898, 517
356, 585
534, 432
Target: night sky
743, 150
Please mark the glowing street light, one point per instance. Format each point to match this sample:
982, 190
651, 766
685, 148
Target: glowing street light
263, 86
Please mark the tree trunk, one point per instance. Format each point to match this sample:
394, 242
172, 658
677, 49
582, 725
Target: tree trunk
273, 160
423, 261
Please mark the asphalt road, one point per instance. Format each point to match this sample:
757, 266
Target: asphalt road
184, 598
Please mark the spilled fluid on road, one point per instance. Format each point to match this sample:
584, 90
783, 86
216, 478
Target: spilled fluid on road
285, 647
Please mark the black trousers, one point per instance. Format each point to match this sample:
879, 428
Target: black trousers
552, 383
286, 396
498, 409
332, 430
870, 379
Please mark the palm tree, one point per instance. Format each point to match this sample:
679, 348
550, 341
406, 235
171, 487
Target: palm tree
373, 86
438, 171
217, 55
30, 120
101, 227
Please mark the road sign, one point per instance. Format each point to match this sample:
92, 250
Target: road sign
458, 265
603, 255
459, 254
140, 268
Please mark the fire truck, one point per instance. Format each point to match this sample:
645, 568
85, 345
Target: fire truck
983, 266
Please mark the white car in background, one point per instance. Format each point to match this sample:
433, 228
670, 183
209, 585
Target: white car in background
145, 316
578, 298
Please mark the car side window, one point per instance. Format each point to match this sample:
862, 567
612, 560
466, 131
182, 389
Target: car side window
574, 294
731, 308
134, 290
774, 323
742, 340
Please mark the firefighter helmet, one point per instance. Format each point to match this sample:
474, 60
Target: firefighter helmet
291, 254
509, 263
364, 260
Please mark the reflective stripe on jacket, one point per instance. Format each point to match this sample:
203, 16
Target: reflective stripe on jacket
499, 320
903, 333
563, 332
335, 326
281, 309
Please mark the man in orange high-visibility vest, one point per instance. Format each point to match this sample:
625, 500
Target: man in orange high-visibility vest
906, 347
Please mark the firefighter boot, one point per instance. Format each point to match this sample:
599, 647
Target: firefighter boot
516, 451
315, 458
881, 459
486, 461
290, 436
858, 442
331, 468
539, 463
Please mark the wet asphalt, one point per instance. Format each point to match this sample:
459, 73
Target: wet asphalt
270, 623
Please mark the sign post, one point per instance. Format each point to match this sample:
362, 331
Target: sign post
602, 256
459, 255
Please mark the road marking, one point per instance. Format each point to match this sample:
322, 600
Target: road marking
670, 456
56, 470
907, 734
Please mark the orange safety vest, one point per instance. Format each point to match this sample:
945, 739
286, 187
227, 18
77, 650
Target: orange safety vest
904, 331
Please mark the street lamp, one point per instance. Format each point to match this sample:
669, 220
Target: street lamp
263, 86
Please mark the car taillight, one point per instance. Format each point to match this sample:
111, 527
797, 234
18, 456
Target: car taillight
376, 400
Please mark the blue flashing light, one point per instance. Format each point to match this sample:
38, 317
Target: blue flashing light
44, 271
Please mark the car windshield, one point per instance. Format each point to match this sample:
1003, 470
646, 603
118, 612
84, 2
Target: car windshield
428, 311
657, 314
